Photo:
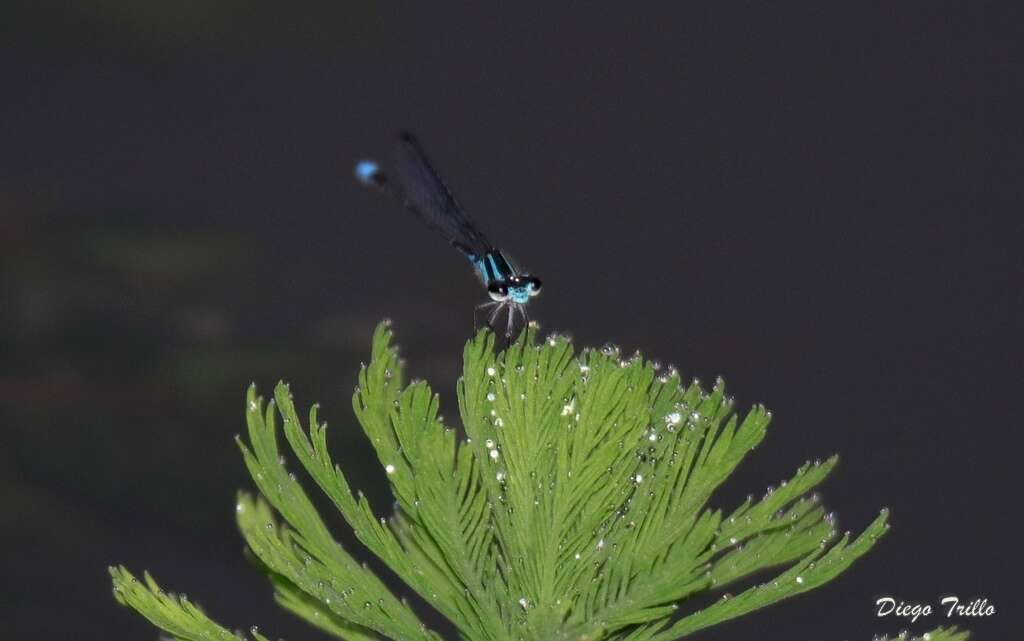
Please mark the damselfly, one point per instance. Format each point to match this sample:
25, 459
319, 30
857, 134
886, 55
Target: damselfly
422, 191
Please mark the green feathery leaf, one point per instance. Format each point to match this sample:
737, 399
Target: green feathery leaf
575, 508
172, 613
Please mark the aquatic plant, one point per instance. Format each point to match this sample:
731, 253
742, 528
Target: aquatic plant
575, 508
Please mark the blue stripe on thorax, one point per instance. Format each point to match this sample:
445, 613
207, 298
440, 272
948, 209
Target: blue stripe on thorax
493, 267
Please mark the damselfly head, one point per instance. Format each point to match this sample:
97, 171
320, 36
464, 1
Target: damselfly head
522, 288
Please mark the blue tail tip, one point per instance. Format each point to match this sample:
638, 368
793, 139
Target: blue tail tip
366, 170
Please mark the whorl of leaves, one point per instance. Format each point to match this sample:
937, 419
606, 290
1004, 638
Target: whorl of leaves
575, 509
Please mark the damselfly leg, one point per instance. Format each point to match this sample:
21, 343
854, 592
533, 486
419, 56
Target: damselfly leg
476, 311
512, 309
494, 314
497, 307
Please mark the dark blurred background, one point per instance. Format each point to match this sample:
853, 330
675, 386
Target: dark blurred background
811, 200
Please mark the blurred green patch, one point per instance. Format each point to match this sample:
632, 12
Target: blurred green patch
173, 257
158, 24
127, 343
204, 374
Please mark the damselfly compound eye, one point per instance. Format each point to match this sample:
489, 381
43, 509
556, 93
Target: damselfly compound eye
534, 284
498, 291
